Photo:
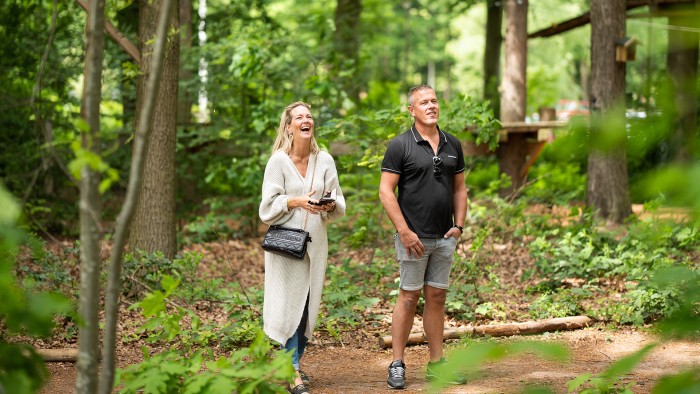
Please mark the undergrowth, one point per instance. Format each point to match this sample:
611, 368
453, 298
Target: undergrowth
575, 267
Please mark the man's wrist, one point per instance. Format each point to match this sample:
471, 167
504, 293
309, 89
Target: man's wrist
460, 228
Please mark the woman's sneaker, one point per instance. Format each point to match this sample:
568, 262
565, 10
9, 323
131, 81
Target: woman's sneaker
397, 375
304, 378
298, 389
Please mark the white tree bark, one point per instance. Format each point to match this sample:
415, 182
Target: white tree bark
88, 356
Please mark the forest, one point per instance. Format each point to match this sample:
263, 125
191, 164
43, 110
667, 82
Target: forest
135, 135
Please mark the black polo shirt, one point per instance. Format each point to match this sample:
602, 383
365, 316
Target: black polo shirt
426, 200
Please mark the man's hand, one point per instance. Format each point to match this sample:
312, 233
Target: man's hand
453, 232
412, 243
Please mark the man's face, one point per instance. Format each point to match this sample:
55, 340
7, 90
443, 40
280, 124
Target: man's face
425, 109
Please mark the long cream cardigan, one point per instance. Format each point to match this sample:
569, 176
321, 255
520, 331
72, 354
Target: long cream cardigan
287, 281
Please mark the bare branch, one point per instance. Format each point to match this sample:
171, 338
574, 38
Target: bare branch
118, 37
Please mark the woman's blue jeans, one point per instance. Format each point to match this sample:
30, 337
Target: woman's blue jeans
297, 343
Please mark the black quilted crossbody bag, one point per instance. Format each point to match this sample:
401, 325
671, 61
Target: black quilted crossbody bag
287, 241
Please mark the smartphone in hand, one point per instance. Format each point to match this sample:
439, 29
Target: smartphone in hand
327, 197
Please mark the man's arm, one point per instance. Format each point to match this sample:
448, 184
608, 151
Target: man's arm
409, 239
459, 201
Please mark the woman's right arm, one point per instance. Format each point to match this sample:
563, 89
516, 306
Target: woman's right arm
275, 206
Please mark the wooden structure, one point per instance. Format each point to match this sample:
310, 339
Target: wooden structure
626, 49
520, 143
585, 18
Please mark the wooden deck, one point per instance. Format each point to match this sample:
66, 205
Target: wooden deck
520, 144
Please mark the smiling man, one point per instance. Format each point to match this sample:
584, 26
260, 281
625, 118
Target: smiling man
427, 166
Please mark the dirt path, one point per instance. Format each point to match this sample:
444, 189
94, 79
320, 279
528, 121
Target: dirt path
335, 369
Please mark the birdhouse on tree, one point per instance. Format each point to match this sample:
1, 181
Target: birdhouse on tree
626, 49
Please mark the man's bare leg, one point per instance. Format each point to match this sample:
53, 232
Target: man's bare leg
402, 321
434, 320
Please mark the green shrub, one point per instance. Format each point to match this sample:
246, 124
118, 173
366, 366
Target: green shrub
24, 310
556, 183
184, 369
562, 303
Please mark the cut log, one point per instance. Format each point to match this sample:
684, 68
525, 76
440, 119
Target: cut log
60, 355
500, 330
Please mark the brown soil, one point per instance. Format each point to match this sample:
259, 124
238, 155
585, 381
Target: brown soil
352, 369
355, 363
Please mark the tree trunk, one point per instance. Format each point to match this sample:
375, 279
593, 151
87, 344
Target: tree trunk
492, 54
154, 221
608, 184
682, 66
133, 191
128, 18
512, 155
346, 45
90, 211
186, 96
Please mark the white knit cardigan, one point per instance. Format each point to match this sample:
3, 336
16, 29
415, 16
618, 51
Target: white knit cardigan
288, 281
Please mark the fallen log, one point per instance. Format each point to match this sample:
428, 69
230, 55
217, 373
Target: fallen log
60, 355
500, 330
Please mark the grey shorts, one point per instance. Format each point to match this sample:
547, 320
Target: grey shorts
433, 268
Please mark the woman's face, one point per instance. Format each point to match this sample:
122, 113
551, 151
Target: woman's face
302, 125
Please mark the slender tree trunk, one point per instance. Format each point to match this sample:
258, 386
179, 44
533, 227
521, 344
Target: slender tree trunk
608, 184
186, 96
492, 54
682, 66
512, 155
128, 19
346, 45
90, 212
188, 93
154, 221
144, 130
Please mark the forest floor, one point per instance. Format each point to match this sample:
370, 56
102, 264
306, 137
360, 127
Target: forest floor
355, 363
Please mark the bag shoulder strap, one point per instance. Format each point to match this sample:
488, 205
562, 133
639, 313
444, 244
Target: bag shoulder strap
313, 175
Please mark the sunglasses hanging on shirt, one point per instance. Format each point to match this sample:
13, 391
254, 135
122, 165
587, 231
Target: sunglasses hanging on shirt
437, 171
437, 161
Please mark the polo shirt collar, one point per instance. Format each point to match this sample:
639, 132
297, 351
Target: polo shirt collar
418, 138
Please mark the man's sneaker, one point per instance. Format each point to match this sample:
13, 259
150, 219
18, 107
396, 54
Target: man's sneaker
397, 375
437, 372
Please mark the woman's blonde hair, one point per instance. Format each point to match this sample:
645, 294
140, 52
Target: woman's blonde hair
283, 141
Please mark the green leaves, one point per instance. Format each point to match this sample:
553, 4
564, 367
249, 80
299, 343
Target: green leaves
472, 120
23, 309
469, 359
254, 369
606, 381
686, 382
86, 158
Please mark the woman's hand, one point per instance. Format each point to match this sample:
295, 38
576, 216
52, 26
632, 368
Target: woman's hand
305, 202
309, 204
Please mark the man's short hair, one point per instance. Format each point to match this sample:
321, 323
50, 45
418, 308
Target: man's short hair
414, 89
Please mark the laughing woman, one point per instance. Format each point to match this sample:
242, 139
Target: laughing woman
296, 175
